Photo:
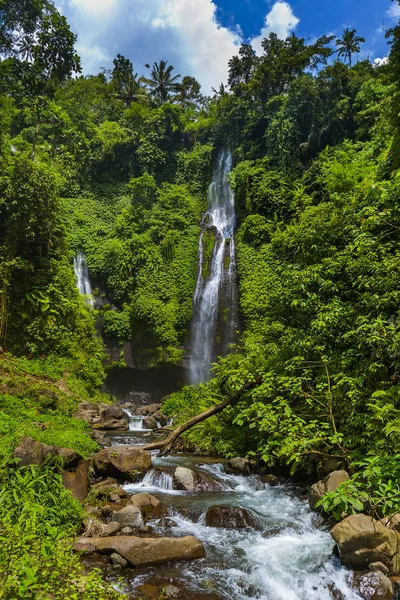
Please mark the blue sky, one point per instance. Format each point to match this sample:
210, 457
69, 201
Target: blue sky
199, 36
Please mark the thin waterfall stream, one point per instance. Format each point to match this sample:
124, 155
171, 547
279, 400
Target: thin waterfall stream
215, 318
82, 276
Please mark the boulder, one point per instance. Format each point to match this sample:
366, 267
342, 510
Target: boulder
326, 485
150, 423
270, 479
85, 548
378, 566
31, 452
110, 528
362, 540
373, 586
77, 480
100, 438
122, 462
87, 411
117, 560
148, 410
112, 425
148, 551
185, 479
240, 466
111, 413
130, 516
160, 418
188, 480
230, 517
150, 506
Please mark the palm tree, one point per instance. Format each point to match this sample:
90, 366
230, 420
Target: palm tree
25, 47
349, 44
161, 82
220, 92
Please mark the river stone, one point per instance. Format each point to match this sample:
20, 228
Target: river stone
378, 566
329, 484
230, 517
117, 560
148, 410
87, 411
150, 423
138, 398
185, 478
373, 586
122, 462
146, 552
150, 506
240, 466
362, 540
130, 516
113, 413
77, 480
112, 425
162, 419
110, 528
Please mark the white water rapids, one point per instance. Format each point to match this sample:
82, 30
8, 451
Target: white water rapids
289, 558
217, 289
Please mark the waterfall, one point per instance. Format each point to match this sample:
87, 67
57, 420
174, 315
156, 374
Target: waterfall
215, 321
82, 276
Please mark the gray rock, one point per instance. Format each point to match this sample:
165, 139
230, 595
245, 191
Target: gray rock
77, 480
111, 413
130, 516
110, 528
112, 425
32, 452
185, 479
240, 466
373, 586
329, 484
138, 398
117, 560
127, 530
378, 566
150, 506
150, 423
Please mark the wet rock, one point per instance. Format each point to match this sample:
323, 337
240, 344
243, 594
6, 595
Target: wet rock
100, 439
362, 540
130, 516
373, 586
150, 423
378, 566
112, 413
167, 522
240, 466
122, 462
269, 479
230, 517
392, 522
106, 511
138, 398
87, 411
326, 485
162, 419
112, 425
185, 479
118, 561
31, 452
148, 551
150, 506
77, 480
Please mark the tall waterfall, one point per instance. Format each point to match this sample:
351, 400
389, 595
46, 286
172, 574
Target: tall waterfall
215, 319
82, 276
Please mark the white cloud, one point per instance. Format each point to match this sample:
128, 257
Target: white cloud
394, 11
379, 62
280, 20
184, 32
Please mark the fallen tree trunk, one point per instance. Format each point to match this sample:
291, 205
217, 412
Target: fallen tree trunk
166, 444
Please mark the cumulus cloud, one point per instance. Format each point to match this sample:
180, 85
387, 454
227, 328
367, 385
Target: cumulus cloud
280, 20
184, 32
394, 11
379, 62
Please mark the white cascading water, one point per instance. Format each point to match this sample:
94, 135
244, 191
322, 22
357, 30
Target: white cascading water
82, 276
219, 287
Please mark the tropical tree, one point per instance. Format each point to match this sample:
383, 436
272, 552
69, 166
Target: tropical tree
161, 82
126, 81
220, 92
349, 44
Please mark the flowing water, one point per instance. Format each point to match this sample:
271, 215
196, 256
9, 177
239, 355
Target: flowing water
289, 557
215, 298
82, 276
